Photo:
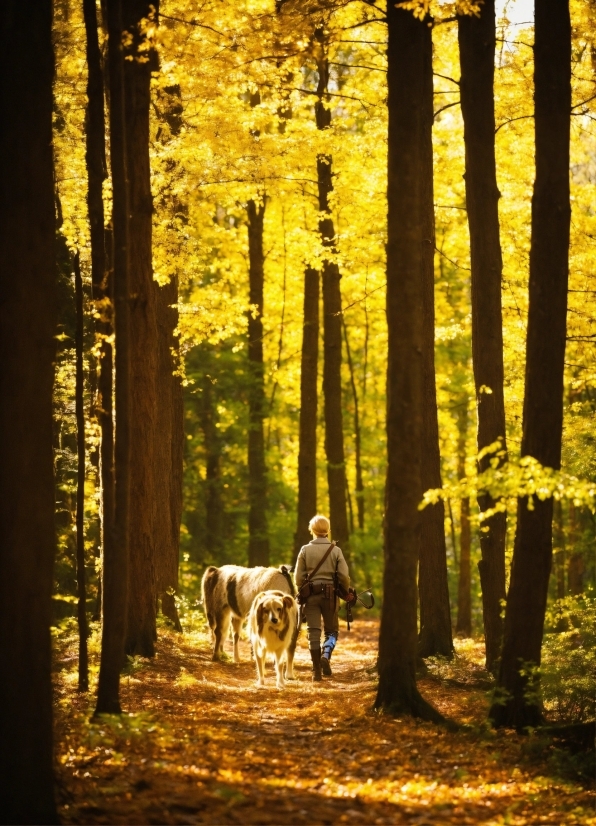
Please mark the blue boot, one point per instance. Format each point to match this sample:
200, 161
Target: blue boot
328, 646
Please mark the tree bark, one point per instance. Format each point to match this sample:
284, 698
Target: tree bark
436, 636
477, 61
410, 204
357, 435
452, 532
576, 565
464, 595
95, 158
214, 517
307, 452
144, 357
169, 453
95, 151
28, 315
575, 574
115, 562
332, 315
258, 536
170, 405
80, 416
545, 355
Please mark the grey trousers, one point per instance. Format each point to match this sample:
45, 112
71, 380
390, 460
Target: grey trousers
317, 607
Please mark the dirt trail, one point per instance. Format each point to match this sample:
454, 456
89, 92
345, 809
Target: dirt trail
204, 745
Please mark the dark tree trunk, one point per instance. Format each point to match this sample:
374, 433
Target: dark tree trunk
170, 408
452, 532
409, 195
280, 344
258, 536
214, 517
168, 453
545, 356
80, 416
477, 60
576, 565
104, 292
575, 574
350, 508
28, 305
332, 315
436, 636
95, 154
464, 584
464, 591
307, 452
95, 157
142, 591
115, 561
332, 396
357, 435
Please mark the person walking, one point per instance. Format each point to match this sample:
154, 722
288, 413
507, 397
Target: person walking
315, 570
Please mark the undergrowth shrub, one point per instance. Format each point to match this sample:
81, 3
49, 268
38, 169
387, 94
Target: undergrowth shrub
569, 660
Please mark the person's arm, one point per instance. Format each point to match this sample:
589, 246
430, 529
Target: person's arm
300, 571
342, 571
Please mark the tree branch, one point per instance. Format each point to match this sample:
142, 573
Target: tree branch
447, 106
505, 122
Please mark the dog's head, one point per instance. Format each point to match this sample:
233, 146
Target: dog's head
273, 609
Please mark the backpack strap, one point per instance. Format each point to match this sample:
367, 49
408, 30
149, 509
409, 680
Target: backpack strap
310, 577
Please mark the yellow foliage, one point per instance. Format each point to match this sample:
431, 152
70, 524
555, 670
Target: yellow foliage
212, 151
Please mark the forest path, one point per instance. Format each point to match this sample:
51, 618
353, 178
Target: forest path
204, 745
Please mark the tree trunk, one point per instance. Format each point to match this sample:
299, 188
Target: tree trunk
452, 532
105, 403
575, 574
409, 195
464, 595
307, 452
80, 416
115, 562
332, 315
214, 518
28, 306
576, 565
95, 154
168, 454
477, 61
543, 400
170, 406
144, 357
357, 434
436, 636
95, 157
258, 536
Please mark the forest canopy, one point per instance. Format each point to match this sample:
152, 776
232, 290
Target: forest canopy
214, 149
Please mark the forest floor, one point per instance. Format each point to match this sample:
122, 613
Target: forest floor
201, 744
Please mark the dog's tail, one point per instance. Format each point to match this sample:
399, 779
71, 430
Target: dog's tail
288, 577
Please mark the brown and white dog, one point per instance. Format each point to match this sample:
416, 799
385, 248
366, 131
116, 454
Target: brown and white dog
272, 625
228, 593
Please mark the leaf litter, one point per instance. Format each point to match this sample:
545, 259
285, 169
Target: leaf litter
199, 743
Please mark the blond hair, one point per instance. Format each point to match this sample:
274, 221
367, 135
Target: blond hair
319, 525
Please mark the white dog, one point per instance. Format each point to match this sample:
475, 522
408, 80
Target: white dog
272, 625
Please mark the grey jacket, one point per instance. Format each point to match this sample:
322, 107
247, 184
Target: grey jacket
309, 557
